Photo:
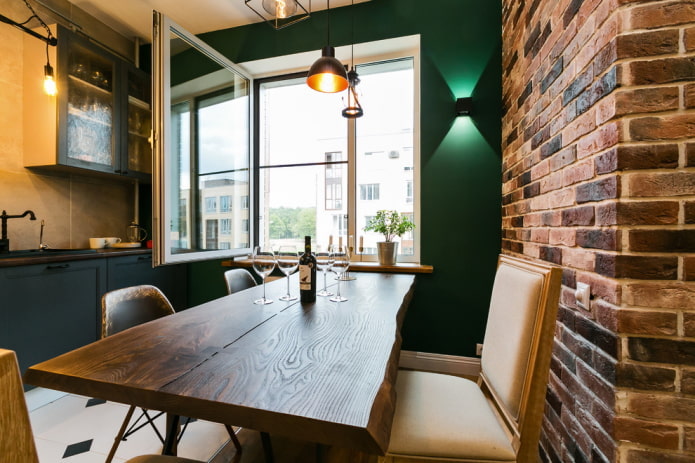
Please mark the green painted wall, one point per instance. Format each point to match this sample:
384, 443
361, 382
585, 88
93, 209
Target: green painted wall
460, 157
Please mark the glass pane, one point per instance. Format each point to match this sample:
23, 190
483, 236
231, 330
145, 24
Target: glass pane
292, 206
296, 201
210, 152
298, 124
90, 128
139, 123
384, 157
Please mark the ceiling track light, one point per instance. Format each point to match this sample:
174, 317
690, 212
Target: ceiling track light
280, 13
327, 74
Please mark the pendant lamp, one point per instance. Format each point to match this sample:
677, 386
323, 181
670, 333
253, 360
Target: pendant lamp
280, 13
327, 74
353, 109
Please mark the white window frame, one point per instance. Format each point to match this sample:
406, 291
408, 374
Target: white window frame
381, 50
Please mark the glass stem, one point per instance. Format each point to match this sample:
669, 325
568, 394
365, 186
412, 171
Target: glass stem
264, 288
338, 288
324, 280
288, 286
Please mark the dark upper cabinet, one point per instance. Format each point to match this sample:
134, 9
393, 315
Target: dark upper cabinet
100, 121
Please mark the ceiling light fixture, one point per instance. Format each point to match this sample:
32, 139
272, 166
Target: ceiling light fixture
280, 13
49, 84
353, 109
327, 74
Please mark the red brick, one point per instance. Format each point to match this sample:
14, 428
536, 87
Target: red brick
661, 406
605, 188
646, 100
637, 267
688, 382
657, 14
689, 39
637, 455
670, 127
659, 295
647, 322
665, 183
582, 216
689, 268
660, 71
578, 172
690, 96
638, 213
690, 154
646, 377
579, 259
604, 137
597, 238
666, 241
649, 43
651, 433
563, 236
632, 157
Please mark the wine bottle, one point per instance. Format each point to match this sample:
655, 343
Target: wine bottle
307, 273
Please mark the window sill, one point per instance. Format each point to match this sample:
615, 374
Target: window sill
399, 267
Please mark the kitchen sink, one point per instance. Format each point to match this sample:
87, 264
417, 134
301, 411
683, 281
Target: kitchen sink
44, 252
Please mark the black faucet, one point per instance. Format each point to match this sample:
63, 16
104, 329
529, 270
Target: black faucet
4, 242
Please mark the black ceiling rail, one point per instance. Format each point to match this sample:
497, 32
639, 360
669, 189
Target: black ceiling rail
52, 41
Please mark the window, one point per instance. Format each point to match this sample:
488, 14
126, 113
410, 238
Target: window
334, 182
225, 227
369, 192
310, 180
225, 203
245, 226
211, 204
245, 202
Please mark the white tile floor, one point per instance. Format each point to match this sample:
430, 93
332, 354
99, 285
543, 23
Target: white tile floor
62, 420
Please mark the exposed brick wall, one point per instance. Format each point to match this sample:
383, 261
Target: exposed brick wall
599, 177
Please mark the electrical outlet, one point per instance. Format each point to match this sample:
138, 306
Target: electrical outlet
583, 295
478, 349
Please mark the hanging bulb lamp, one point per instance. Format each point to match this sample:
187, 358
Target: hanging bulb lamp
327, 74
49, 83
353, 110
280, 13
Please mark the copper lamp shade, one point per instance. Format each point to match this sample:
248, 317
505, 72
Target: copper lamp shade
327, 74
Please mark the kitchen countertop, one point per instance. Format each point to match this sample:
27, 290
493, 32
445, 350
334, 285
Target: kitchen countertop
67, 256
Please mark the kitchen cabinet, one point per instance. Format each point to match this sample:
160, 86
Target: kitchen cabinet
49, 309
137, 270
100, 119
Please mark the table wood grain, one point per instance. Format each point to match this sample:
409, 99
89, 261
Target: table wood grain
321, 372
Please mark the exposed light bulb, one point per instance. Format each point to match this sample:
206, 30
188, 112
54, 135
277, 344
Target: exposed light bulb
49, 83
280, 8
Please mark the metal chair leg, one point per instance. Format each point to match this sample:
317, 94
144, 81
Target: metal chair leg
121, 432
267, 447
235, 439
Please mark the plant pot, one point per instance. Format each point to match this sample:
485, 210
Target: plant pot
387, 252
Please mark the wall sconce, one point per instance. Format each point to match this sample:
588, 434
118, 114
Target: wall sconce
464, 106
280, 13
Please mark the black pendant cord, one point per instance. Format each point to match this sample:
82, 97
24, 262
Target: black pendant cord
50, 39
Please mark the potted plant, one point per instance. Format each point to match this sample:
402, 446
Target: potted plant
391, 224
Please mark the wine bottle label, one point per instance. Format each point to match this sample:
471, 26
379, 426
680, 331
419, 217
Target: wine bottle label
305, 277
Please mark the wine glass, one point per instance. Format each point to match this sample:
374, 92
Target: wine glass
288, 261
341, 262
324, 262
263, 264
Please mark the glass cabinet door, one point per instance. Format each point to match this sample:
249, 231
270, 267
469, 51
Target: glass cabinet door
88, 117
139, 151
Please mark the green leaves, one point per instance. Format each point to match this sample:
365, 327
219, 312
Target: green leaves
390, 224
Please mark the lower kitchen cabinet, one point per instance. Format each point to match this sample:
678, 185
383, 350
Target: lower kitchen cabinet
137, 270
49, 309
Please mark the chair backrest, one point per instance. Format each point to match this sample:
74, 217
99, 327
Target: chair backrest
127, 307
16, 438
238, 279
517, 347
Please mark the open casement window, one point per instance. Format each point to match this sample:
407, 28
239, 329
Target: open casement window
202, 150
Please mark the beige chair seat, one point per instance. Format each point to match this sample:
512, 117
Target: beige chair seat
446, 417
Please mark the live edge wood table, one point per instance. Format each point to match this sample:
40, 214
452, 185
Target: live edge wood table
321, 372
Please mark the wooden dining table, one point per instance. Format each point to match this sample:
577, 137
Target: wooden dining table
320, 372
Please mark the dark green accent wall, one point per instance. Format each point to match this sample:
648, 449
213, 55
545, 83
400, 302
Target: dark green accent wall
460, 157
